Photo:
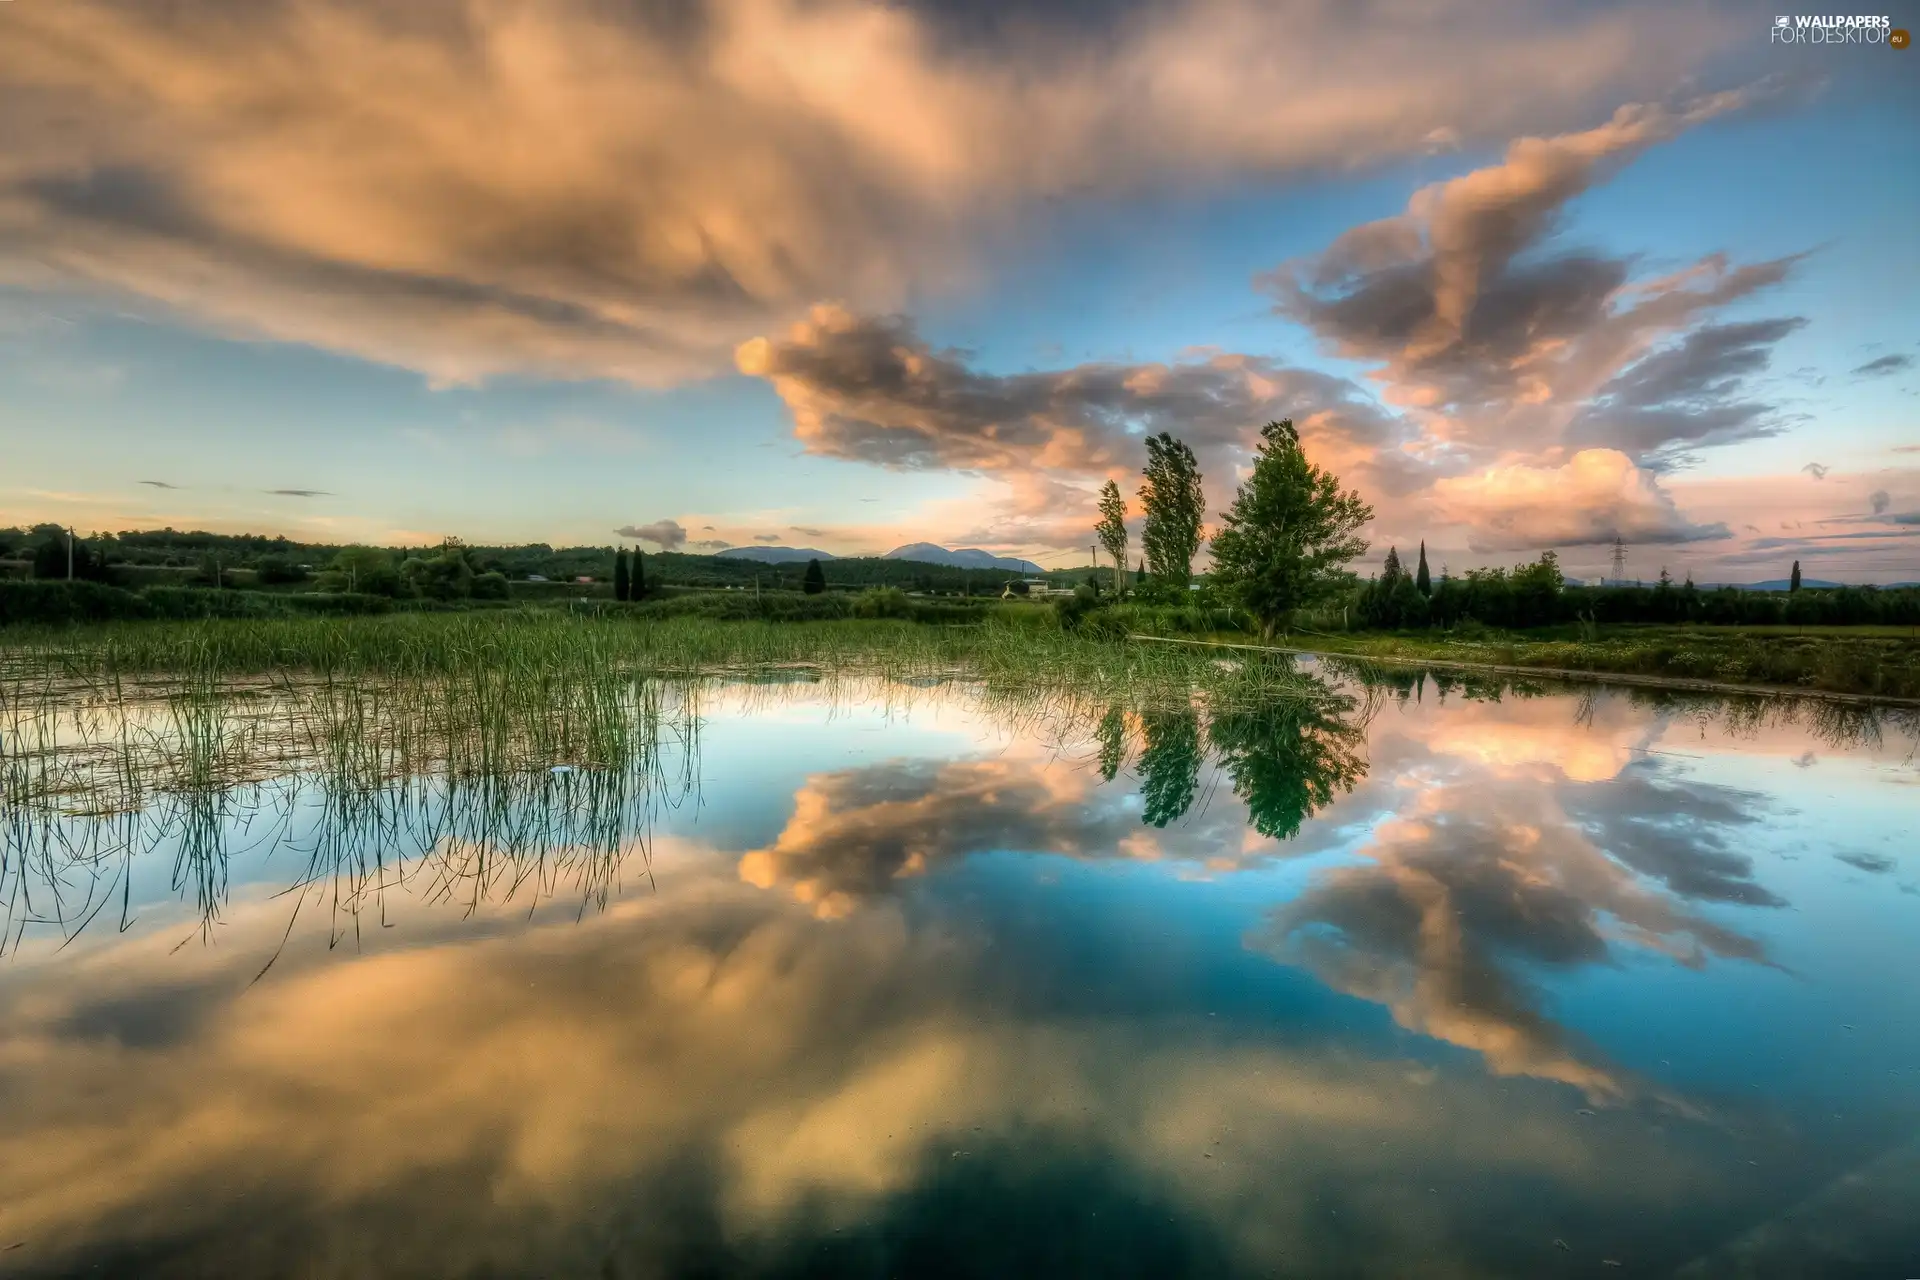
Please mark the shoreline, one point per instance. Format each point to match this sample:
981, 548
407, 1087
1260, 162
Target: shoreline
1689, 683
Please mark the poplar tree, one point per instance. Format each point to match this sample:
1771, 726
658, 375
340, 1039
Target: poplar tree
1174, 508
1112, 532
620, 580
1421, 578
1793, 583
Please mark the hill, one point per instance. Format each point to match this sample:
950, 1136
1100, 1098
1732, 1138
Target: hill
773, 555
965, 558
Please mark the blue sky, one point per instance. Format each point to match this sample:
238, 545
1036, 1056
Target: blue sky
447, 309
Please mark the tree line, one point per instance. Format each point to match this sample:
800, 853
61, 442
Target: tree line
1537, 595
1284, 544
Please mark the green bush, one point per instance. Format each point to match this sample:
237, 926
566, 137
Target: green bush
24, 602
882, 602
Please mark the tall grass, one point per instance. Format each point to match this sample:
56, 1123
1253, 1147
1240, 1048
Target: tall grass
544, 659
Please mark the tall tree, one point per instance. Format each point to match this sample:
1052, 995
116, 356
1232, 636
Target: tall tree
1170, 765
1174, 506
816, 580
1793, 583
1391, 572
621, 582
1289, 758
1112, 532
637, 577
1421, 578
1289, 532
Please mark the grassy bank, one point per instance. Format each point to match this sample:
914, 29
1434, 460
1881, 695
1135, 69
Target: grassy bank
527, 656
1883, 662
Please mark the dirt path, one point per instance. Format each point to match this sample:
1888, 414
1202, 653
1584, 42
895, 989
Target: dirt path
1559, 673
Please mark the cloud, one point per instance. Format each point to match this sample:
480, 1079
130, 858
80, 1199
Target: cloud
1817, 470
298, 493
1596, 496
766, 537
1497, 874
489, 1131
1880, 500
710, 544
870, 389
1680, 397
584, 189
159, 484
667, 534
1886, 365
1497, 340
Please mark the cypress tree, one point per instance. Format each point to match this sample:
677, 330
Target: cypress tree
1390, 573
816, 580
1793, 583
1422, 579
620, 579
637, 578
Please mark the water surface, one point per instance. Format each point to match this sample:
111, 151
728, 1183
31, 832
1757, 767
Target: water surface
1410, 979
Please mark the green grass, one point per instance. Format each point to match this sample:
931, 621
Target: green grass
1878, 661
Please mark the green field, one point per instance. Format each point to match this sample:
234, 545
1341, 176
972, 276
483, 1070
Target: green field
1878, 661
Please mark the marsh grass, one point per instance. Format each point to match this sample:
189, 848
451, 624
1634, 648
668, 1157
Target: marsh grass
480, 760
473, 758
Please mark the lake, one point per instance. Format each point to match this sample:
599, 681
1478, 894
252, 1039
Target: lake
1405, 976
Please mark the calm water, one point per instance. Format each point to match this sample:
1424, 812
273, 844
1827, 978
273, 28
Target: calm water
1430, 981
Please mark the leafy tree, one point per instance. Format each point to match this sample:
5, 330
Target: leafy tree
1175, 507
1421, 578
1289, 532
491, 585
1289, 758
1112, 532
1169, 766
816, 580
1112, 737
369, 570
446, 576
272, 570
621, 582
50, 558
1793, 583
211, 573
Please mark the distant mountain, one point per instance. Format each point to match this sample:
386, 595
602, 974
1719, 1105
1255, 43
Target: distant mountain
772, 555
965, 558
1781, 584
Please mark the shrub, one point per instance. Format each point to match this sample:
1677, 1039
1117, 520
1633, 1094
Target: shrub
490, 586
882, 602
27, 602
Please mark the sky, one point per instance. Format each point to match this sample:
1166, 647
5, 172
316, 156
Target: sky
846, 275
